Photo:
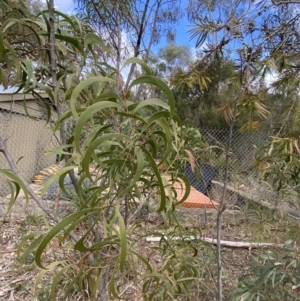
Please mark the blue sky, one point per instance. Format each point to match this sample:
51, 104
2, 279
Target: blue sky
182, 37
66, 6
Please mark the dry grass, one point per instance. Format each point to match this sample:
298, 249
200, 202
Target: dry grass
17, 281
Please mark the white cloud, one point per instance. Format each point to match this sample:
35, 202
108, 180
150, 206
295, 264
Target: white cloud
128, 52
65, 6
270, 79
194, 53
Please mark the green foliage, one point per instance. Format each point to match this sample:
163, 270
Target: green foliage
118, 148
203, 91
171, 58
280, 166
176, 269
123, 148
15, 184
252, 109
17, 68
274, 275
192, 140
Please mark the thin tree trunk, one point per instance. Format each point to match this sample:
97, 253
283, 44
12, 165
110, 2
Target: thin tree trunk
36, 198
140, 88
138, 44
119, 49
105, 273
59, 107
223, 204
52, 47
245, 87
102, 287
220, 217
152, 32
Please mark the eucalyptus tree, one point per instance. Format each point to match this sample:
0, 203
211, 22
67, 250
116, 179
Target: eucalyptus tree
173, 57
131, 28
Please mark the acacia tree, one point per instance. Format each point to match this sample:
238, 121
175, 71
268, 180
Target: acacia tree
119, 167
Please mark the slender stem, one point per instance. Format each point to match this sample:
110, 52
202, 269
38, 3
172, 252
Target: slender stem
223, 206
140, 207
138, 43
36, 198
52, 45
59, 107
119, 49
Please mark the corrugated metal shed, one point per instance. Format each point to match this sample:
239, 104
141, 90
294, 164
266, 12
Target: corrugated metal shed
35, 106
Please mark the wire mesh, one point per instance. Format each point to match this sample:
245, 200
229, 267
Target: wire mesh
26, 139
244, 181
243, 151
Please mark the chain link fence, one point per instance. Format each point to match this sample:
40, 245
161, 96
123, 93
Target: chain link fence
26, 139
244, 182
243, 153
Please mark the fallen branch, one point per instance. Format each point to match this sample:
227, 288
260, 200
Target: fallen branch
224, 243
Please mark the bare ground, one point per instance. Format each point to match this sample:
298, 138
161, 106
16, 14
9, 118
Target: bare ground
17, 281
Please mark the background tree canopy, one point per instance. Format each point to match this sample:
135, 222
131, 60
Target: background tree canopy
129, 114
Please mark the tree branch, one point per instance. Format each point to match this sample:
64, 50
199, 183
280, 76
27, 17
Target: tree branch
63, 136
275, 2
224, 243
140, 207
138, 43
36, 198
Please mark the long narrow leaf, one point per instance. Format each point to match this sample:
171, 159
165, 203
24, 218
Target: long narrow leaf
56, 177
81, 86
91, 39
73, 218
135, 60
17, 180
152, 80
162, 206
139, 170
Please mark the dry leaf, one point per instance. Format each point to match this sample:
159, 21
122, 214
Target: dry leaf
191, 159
